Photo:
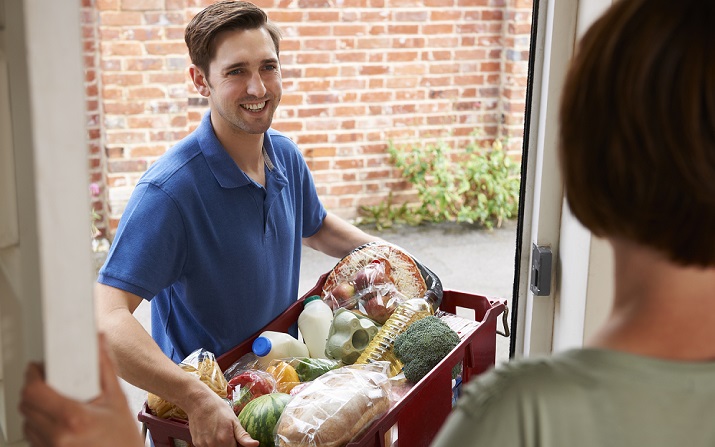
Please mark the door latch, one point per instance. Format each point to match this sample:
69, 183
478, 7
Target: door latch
540, 284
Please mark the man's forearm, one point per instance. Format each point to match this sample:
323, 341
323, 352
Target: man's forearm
139, 359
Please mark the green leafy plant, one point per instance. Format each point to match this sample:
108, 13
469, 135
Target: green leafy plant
481, 186
388, 213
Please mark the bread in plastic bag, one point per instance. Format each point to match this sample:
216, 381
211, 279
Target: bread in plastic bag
336, 407
374, 278
202, 364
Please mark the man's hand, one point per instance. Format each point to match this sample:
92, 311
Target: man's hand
213, 424
52, 419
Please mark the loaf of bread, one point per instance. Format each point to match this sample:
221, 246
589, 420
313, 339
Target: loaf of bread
404, 272
335, 408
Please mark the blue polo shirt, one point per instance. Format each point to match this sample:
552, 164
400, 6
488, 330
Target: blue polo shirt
217, 254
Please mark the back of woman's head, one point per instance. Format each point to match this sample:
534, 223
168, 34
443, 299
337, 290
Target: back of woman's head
637, 135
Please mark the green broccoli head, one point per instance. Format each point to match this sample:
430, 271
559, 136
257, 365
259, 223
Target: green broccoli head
423, 345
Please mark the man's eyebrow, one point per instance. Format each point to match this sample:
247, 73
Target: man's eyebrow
245, 64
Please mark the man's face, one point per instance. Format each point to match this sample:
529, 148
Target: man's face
244, 83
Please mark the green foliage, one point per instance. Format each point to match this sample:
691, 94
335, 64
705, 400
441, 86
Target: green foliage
386, 214
480, 186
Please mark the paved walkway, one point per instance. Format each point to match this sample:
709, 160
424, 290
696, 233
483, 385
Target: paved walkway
464, 258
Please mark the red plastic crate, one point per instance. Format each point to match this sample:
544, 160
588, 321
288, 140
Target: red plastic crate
421, 411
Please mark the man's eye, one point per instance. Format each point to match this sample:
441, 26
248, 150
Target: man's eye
271, 67
234, 72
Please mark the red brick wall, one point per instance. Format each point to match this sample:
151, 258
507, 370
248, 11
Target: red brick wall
356, 76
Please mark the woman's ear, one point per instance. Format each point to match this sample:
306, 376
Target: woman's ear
200, 80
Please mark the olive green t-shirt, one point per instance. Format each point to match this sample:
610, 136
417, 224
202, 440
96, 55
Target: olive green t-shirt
584, 398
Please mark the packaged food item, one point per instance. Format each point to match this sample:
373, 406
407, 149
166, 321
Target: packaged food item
336, 407
349, 335
309, 369
202, 364
271, 345
285, 375
248, 385
314, 324
381, 346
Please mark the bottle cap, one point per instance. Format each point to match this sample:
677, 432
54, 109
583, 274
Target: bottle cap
261, 346
310, 299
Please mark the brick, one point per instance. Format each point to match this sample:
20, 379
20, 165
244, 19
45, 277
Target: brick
148, 121
122, 79
106, 5
319, 151
349, 30
143, 64
374, 43
142, 5
330, 16
321, 72
322, 98
147, 151
164, 18
121, 48
163, 48
318, 44
126, 166
322, 124
145, 93
373, 70
120, 18
123, 108
313, 58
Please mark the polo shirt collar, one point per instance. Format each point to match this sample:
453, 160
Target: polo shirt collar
224, 169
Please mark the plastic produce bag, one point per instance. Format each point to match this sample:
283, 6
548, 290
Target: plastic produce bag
247, 385
375, 278
336, 407
201, 363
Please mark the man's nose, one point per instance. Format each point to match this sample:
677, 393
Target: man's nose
255, 86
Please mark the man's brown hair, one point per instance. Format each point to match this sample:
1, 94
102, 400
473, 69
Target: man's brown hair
637, 127
222, 16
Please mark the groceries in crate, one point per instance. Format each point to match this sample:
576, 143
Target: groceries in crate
248, 385
272, 345
314, 325
336, 407
202, 364
260, 417
286, 376
423, 345
349, 335
381, 346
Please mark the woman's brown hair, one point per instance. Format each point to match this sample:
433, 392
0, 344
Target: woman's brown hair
637, 127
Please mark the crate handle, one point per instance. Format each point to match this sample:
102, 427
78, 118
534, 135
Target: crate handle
505, 322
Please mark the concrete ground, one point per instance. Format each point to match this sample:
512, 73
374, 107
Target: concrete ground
464, 258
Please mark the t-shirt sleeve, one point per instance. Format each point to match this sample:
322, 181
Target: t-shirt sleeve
149, 248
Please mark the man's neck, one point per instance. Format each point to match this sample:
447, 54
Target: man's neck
245, 149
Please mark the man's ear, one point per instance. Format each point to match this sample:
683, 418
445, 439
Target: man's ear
200, 81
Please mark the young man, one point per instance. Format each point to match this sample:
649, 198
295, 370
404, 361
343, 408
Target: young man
637, 151
212, 234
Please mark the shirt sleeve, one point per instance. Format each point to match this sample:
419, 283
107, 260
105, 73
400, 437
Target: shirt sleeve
149, 248
313, 210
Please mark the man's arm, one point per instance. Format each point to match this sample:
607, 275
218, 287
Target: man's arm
141, 362
337, 237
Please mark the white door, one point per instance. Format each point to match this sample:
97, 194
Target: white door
581, 274
46, 275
